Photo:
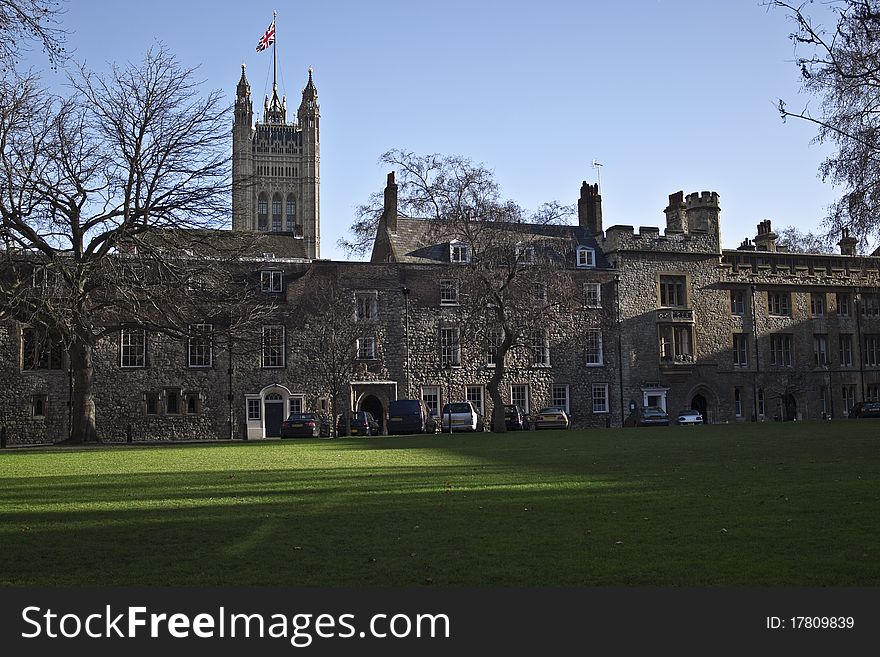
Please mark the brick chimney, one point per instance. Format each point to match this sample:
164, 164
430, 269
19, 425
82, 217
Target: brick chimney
765, 240
590, 208
389, 212
847, 244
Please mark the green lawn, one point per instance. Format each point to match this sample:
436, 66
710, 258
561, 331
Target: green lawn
770, 504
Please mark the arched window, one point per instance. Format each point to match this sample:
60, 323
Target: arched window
276, 213
291, 213
262, 212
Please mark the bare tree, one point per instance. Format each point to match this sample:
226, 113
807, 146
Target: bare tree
329, 332
805, 242
24, 21
512, 280
838, 46
102, 196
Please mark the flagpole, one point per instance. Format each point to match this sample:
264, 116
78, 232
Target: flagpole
274, 56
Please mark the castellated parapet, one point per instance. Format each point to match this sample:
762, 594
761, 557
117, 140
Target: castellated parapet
692, 225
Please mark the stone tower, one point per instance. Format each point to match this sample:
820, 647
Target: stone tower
276, 166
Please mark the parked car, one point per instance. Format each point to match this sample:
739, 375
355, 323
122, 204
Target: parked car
462, 415
865, 409
516, 418
411, 416
362, 424
653, 416
301, 425
690, 417
551, 417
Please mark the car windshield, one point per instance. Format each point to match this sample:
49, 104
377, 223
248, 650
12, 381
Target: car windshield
651, 410
551, 409
301, 416
457, 408
689, 413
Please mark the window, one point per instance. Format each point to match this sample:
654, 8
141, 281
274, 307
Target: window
459, 252
474, 394
296, 404
761, 402
823, 400
366, 306
740, 350
39, 405
273, 346
271, 280
872, 349
780, 350
276, 214
262, 213
193, 402
431, 397
676, 343
594, 347
592, 295
737, 302
848, 393
151, 402
493, 339
872, 392
253, 409
559, 395
846, 349
779, 303
586, 257
172, 401
672, 292
539, 292
366, 348
540, 348
291, 213
40, 351
132, 347
450, 348
525, 254
600, 398
871, 305
820, 350
448, 292
843, 304
200, 351
817, 304
519, 395
737, 402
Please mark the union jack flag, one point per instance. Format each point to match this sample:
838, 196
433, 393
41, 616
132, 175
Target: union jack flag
268, 38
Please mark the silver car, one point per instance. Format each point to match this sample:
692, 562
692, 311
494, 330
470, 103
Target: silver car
690, 417
463, 417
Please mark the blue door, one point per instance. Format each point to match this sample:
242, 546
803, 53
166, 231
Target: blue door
274, 417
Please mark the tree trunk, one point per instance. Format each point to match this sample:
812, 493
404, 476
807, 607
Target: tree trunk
494, 388
82, 428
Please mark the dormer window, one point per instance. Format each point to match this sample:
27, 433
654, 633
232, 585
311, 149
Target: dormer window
586, 257
459, 252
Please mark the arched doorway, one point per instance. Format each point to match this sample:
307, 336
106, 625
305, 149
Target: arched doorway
274, 413
373, 406
699, 403
789, 407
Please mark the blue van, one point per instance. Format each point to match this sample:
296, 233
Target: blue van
410, 416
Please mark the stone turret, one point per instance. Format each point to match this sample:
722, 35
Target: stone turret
590, 208
389, 211
676, 214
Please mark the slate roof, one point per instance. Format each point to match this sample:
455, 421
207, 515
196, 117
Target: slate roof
420, 240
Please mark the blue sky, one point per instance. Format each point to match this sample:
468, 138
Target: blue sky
667, 94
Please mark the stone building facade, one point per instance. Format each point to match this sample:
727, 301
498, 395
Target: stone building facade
669, 318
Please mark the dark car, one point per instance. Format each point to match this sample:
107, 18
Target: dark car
302, 425
653, 416
515, 418
410, 416
865, 409
362, 424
